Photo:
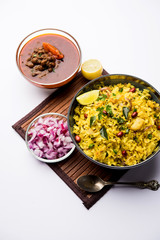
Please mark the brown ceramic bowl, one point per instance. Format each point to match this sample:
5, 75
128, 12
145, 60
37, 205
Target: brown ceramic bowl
68, 67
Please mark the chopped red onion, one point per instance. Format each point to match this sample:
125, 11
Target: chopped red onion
50, 138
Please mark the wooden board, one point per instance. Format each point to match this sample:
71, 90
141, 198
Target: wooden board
76, 165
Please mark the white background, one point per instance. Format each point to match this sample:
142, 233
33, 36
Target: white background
35, 204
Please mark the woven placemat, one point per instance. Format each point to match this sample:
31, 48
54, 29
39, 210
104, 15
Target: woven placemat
76, 165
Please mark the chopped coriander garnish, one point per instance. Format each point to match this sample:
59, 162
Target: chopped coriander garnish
135, 110
100, 109
115, 151
127, 130
122, 128
102, 97
34, 55
155, 116
120, 120
113, 94
121, 90
149, 136
91, 145
109, 110
135, 138
99, 116
115, 118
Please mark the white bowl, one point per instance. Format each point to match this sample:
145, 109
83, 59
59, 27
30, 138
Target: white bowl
59, 116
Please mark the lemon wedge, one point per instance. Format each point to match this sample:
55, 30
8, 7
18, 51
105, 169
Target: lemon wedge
88, 97
91, 69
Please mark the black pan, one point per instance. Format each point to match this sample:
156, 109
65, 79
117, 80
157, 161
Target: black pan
111, 79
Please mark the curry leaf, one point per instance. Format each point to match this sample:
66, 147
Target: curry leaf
103, 133
125, 112
92, 120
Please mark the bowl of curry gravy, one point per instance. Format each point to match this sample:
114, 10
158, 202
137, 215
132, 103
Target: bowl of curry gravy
49, 58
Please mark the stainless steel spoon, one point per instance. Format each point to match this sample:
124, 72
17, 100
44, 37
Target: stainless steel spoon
91, 183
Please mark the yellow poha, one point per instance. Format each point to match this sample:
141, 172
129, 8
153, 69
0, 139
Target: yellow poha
120, 128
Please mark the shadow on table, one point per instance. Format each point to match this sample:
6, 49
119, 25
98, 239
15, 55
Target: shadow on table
146, 172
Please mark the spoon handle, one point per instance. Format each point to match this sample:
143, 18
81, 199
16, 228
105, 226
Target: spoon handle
152, 185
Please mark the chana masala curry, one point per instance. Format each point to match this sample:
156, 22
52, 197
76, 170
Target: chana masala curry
49, 58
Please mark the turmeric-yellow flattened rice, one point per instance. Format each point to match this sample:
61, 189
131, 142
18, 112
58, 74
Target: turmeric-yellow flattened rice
120, 128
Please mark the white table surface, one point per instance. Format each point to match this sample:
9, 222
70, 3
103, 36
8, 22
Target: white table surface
35, 204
